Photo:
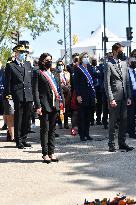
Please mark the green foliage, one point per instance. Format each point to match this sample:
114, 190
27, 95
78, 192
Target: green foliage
5, 53
36, 15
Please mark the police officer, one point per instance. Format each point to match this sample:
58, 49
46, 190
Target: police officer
18, 85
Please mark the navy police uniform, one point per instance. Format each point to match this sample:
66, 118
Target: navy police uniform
18, 84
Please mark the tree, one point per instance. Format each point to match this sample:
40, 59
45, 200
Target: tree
35, 15
5, 53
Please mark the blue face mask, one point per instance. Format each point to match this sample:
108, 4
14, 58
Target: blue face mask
22, 56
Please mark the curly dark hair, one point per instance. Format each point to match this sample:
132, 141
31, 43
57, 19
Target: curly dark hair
42, 57
74, 55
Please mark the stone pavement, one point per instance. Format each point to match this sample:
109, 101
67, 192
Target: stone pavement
85, 170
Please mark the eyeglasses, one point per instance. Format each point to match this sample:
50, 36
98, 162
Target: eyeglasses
85, 56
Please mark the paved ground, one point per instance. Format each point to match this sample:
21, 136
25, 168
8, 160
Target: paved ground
85, 170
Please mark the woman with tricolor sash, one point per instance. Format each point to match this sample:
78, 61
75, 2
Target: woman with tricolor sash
85, 93
64, 77
48, 100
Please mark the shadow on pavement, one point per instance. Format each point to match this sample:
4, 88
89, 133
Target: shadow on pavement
94, 167
18, 161
90, 164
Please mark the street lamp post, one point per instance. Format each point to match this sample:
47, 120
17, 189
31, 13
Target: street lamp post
129, 23
67, 31
104, 31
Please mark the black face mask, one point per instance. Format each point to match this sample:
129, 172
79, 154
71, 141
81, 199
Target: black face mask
133, 64
94, 63
120, 55
48, 64
76, 60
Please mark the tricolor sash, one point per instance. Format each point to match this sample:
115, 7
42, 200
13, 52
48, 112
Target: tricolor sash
53, 84
63, 79
88, 76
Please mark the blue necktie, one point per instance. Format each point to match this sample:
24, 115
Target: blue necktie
134, 74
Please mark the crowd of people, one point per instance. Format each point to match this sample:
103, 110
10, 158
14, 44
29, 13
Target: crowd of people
80, 91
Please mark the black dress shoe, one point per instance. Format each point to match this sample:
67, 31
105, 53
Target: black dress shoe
116, 126
132, 136
105, 127
4, 127
83, 139
47, 161
89, 138
56, 135
20, 146
8, 137
32, 131
112, 149
26, 144
98, 123
126, 147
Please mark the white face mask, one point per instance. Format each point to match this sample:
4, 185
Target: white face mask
85, 61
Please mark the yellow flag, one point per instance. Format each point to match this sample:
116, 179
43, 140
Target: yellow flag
75, 39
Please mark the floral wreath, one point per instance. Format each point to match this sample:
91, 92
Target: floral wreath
118, 200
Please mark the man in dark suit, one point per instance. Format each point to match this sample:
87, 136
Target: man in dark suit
18, 86
117, 88
132, 107
96, 75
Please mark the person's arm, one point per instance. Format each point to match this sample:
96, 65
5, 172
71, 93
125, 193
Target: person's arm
36, 92
7, 89
128, 89
128, 85
77, 83
107, 82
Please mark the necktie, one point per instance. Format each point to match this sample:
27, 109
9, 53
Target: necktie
119, 69
134, 74
21, 64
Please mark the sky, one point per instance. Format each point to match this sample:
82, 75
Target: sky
85, 17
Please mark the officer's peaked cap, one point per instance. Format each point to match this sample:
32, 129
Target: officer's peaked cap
19, 48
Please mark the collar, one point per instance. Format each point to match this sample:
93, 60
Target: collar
19, 62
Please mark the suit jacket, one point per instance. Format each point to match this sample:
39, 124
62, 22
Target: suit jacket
131, 87
43, 96
70, 68
83, 89
116, 86
18, 81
